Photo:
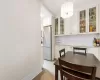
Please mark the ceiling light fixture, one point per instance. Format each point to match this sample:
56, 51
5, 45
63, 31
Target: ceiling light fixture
67, 9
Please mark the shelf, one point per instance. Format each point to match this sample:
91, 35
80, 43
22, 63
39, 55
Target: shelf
78, 46
89, 33
76, 34
60, 35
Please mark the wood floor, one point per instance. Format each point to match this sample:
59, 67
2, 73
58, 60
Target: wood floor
44, 75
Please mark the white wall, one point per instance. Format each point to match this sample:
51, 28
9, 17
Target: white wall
19, 39
45, 12
46, 17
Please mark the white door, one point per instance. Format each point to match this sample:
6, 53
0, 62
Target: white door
67, 26
74, 23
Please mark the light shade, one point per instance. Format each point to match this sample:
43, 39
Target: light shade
67, 10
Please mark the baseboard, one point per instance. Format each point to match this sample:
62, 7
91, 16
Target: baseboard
32, 75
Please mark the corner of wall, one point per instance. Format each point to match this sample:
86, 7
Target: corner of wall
32, 75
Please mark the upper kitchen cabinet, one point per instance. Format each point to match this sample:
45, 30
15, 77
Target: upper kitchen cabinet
99, 17
67, 26
88, 20
59, 26
74, 23
82, 21
71, 24
93, 20
56, 26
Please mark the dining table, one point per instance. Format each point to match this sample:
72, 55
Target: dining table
86, 60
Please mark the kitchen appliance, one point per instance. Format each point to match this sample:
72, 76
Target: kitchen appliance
47, 43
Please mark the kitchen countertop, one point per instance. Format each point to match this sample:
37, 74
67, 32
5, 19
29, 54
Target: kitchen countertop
82, 46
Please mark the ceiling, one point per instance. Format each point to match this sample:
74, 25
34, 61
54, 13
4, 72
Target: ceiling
44, 12
54, 5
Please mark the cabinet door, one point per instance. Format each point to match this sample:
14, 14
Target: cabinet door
94, 51
57, 51
56, 26
61, 25
99, 18
71, 24
93, 19
67, 26
82, 21
99, 54
69, 48
74, 23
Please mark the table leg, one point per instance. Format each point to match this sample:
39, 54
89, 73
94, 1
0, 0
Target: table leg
56, 72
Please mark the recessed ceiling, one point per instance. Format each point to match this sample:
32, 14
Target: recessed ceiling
55, 5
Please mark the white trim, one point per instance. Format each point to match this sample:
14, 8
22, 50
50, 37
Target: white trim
32, 75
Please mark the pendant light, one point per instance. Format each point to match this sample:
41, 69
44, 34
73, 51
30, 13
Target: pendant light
67, 9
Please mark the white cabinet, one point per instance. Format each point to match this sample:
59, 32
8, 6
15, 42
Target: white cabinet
94, 51
99, 17
56, 26
71, 24
69, 48
74, 23
67, 27
93, 19
59, 26
88, 20
59, 47
99, 54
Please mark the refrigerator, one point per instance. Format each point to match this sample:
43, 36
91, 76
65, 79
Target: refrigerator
47, 43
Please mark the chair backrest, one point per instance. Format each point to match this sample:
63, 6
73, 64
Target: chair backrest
62, 52
76, 72
80, 49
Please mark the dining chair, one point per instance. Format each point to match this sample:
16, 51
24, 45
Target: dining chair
77, 49
62, 52
76, 72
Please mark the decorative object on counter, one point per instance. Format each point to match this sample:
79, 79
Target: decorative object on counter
96, 42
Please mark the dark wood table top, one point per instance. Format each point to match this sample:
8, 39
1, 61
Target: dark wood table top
88, 60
